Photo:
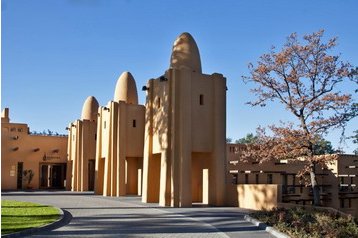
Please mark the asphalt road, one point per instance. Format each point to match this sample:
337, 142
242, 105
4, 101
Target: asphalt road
88, 215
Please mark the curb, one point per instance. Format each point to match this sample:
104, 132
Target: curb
64, 219
265, 227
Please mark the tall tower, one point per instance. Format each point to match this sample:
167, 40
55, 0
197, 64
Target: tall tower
185, 147
120, 142
82, 148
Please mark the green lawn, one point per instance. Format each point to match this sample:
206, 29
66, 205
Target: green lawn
17, 216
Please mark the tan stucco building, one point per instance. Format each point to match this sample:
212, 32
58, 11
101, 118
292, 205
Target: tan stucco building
275, 183
184, 151
82, 137
45, 155
120, 136
172, 151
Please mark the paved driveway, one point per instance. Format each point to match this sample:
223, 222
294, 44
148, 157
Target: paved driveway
89, 215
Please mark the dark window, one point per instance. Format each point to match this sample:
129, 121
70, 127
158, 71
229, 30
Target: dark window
158, 102
134, 123
95, 136
342, 203
234, 179
246, 178
201, 99
269, 178
257, 178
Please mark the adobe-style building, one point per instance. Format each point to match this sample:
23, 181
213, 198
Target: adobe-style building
275, 183
172, 151
120, 138
82, 135
45, 155
185, 148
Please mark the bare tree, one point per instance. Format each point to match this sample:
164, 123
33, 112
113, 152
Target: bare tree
304, 78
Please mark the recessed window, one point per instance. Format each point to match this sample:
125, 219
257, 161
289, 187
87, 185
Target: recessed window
269, 179
201, 99
13, 129
246, 178
257, 178
158, 102
134, 123
234, 179
19, 129
95, 136
342, 203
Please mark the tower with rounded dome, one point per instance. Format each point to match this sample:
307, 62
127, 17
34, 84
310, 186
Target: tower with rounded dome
185, 132
82, 148
120, 139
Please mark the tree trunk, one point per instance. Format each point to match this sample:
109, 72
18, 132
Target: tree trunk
315, 187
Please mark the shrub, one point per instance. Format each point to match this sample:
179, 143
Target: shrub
300, 223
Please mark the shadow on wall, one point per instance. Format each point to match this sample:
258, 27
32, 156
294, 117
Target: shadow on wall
259, 196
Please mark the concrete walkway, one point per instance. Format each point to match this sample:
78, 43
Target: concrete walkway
88, 215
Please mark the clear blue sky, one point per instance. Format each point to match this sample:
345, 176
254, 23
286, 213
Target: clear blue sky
56, 53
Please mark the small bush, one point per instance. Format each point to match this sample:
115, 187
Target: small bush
300, 223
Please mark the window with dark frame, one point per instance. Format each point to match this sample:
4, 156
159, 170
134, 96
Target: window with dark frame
134, 123
234, 179
201, 99
342, 203
269, 179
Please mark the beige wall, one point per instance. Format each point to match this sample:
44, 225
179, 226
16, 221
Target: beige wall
185, 136
120, 136
259, 196
17, 145
338, 180
81, 151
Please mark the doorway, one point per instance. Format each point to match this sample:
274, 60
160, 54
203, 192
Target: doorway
200, 173
20, 168
91, 174
52, 176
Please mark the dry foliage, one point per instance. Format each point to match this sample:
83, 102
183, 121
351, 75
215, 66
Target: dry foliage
305, 79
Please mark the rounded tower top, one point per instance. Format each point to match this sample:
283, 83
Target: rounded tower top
126, 89
185, 53
90, 109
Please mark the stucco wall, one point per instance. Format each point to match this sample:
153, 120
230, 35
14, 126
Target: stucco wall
259, 196
19, 146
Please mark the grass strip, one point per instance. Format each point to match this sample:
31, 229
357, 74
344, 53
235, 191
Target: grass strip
17, 215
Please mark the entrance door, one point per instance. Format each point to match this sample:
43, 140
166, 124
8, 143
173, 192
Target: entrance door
56, 174
20, 167
91, 174
44, 176
52, 175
